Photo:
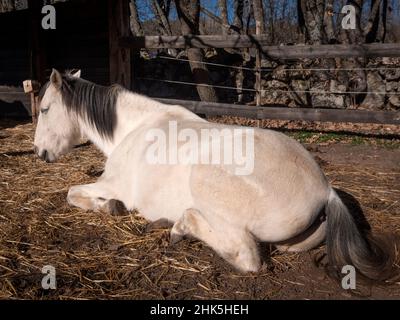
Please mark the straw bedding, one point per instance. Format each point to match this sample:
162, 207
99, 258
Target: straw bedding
102, 256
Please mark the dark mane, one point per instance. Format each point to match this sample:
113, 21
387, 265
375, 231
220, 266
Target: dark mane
43, 90
95, 103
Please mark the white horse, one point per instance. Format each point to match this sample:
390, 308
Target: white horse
286, 199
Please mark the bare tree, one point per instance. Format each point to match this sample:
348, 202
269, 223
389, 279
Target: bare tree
371, 29
136, 26
247, 15
224, 16
258, 10
161, 10
189, 16
329, 23
270, 12
311, 20
238, 16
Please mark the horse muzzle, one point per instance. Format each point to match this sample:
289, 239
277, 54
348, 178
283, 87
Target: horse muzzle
44, 154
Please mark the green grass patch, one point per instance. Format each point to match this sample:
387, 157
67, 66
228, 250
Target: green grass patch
323, 138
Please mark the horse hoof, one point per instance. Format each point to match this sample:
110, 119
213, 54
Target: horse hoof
114, 207
175, 238
158, 224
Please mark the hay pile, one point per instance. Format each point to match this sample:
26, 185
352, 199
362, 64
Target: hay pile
97, 255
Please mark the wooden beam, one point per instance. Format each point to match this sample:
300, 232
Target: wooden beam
260, 41
120, 57
11, 97
20, 96
32, 88
37, 48
284, 113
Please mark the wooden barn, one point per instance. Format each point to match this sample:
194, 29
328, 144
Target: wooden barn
86, 37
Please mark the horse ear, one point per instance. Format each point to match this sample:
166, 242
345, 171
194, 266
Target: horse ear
56, 79
76, 73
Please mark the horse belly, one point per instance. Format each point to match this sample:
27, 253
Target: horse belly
278, 200
162, 191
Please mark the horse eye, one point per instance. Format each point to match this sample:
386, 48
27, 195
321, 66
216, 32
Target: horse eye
44, 110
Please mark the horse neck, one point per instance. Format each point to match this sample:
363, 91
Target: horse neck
133, 111
89, 132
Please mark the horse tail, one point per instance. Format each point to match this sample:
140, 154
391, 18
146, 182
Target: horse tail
349, 244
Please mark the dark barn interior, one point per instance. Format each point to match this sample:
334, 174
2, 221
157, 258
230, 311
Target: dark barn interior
80, 40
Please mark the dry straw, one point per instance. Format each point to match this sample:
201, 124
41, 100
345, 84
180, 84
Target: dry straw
97, 255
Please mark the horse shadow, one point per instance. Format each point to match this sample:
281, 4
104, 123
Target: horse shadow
20, 153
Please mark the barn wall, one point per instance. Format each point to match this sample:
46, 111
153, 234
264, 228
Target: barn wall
79, 41
14, 48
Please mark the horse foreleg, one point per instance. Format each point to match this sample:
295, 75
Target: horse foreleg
159, 224
235, 245
95, 197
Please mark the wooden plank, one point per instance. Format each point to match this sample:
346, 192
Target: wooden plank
120, 58
254, 41
11, 97
32, 88
37, 49
284, 113
257, 84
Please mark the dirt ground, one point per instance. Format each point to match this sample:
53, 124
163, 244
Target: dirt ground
101, 256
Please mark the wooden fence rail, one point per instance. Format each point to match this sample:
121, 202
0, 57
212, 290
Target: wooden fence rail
284, 113
260, 42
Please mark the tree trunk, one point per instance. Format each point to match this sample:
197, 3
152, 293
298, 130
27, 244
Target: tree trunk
328, 22
238, 16
224, 16
237, 27
371, 29
247, 13
271, 18
315, 20
258, 10
312, 13
355, 81
189, 16
384, 20
161, 11
162, 18
260, 29
136, 27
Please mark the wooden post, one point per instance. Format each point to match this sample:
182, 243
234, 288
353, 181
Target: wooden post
32, 87
37, 48
258, 77
258, 10
120, 58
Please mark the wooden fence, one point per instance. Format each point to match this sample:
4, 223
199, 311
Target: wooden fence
259, 42
118, 45
276, 52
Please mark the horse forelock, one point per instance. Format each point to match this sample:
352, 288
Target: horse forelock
94, 103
